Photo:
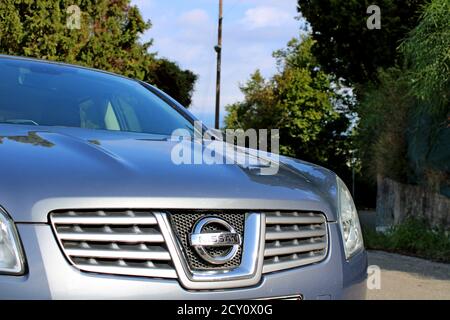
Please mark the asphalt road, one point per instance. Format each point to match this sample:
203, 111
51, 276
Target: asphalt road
405, 277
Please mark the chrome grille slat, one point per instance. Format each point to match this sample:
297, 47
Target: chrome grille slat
282, 235
294, 239
114, 242
271, 266
120, 254
111, 237
295, 219
273, 250
96, 219
142, 272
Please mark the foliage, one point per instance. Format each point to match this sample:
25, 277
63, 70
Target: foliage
108, 39
428, 139
303, 102
177, 83
428, 51
346, 47
403, 131
381, 133
414, 237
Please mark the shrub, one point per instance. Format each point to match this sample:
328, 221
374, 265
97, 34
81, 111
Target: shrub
412, 237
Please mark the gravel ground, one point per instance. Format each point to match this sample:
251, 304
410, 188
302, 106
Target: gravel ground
405, 277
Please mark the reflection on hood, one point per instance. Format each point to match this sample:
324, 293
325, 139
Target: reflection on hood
32, 138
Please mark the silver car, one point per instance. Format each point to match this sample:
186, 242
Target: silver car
93, 206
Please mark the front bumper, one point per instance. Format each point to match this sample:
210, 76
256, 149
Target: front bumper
50, 276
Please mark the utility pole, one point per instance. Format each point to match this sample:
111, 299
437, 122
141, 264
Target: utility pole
218, 49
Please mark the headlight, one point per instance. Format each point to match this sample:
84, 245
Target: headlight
349, 221
11, 257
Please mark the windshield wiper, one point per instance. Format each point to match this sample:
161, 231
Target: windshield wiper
21, 121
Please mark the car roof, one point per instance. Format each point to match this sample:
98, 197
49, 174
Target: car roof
62, 64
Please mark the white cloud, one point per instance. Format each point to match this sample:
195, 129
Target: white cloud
194, 17
266, 16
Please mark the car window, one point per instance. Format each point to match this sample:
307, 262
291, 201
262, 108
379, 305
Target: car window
54, 95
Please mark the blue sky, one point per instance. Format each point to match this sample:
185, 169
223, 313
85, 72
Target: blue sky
185, 31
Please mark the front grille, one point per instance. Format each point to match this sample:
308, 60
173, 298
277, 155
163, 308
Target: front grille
183, 223
114, 242
131, 242
294, 239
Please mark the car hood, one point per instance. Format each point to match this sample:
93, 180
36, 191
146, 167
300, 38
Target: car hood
50, 168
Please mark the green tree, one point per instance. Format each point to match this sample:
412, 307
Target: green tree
178, 83
108, 39
404, 130
427, 50
303, 102
346, 47
384, 112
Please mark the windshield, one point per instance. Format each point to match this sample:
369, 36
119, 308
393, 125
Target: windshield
45, 94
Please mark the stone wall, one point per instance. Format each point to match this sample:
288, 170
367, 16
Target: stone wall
396, 201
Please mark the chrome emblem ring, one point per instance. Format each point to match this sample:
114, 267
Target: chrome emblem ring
203, 241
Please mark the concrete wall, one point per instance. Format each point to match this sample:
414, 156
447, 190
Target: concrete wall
396, 201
